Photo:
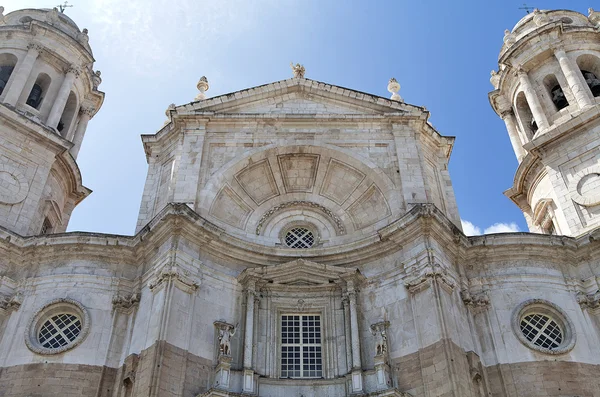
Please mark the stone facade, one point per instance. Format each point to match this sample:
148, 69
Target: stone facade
385, 296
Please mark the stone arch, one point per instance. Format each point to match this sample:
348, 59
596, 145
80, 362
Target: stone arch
322, 185
524, 115
8, 62
589, 64
68, 115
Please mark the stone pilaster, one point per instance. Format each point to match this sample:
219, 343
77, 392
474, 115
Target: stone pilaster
85, 113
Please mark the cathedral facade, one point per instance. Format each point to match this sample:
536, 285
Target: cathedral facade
300, 238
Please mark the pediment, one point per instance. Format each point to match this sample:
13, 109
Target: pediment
299, 96
299, 273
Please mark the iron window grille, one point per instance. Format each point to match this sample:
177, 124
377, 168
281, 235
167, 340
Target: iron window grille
301, 354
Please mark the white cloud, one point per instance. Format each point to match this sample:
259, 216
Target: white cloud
472, 230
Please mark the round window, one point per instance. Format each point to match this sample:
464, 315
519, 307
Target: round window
299, 237
543, 326
59, 326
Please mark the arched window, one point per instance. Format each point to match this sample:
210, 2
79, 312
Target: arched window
7, 65
68, 115
38, 91
590, 69
528, 124
592, 81
557, 95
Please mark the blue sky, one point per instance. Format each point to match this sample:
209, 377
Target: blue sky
152, 53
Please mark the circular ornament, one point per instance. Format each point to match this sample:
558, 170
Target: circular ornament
585, 186
13, 185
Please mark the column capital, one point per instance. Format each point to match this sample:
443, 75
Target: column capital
506, 113
73, 69
521, 71
35, 47
87, 111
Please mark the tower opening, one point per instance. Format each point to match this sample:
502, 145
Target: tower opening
7, 65
64, 125
39, 89
590, 69
557, 95
526, 120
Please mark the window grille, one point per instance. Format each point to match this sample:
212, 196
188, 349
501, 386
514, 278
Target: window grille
542, 330
301, 355
46, 227
299, 237
59, 331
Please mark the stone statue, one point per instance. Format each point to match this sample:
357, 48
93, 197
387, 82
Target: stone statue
96, 79
298, 70
52, 16
83, 37
226, 331
494, 78
2, 18
379, 332
509, 39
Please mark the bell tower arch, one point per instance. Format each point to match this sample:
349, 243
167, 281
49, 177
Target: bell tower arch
547, 91
48, 93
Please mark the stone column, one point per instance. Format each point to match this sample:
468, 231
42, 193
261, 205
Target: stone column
357, 381
513, 134
61, 99
85, 114
248, 386
577, 86
532, 99
22, 75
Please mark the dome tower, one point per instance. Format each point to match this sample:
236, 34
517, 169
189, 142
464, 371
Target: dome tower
48, 93
547, 91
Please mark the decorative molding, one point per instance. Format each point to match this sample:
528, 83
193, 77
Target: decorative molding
430, 274
588, 301
339, 225
175, 274
126, 302
11, 303
31, 337
302, 305
476, 300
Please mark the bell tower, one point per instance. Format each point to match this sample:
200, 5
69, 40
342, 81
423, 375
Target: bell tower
48, 93
547, 91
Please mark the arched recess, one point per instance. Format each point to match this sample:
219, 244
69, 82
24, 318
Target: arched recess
38, 91
524, 116
7, 66
325, 186
590, 69
557, 95
68, 115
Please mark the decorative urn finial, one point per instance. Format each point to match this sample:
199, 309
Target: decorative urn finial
298, 70
509, 39
494, 78
393, 87
202, 88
